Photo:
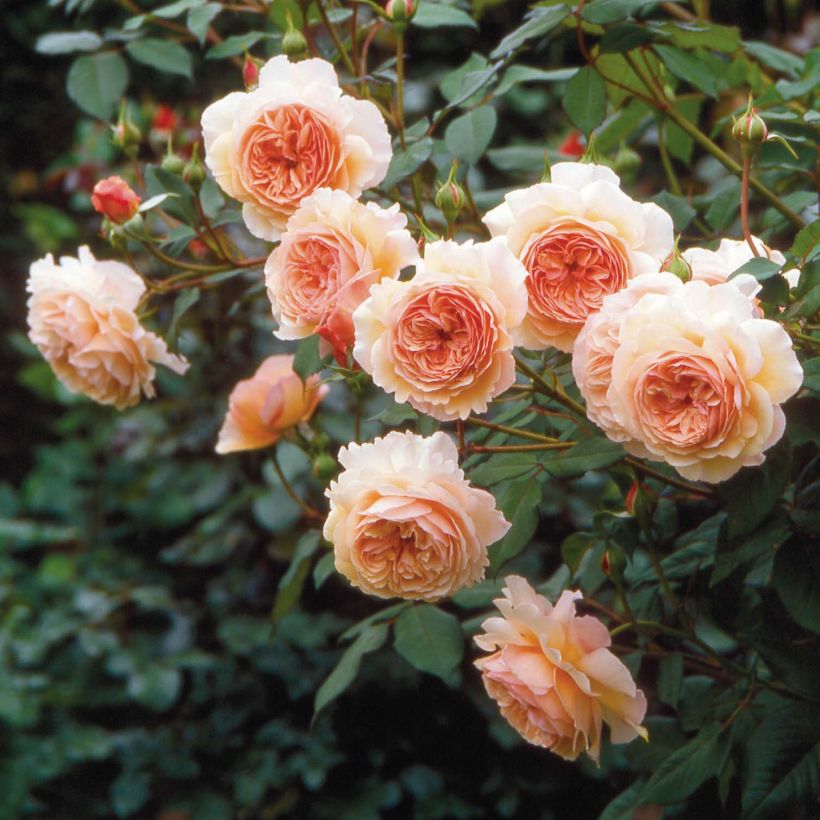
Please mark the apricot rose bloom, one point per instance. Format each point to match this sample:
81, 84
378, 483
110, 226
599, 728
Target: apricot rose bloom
717, 266
553, 676
261, 408
697, 378
334, 249
294, 133
580, 238
444, 339
81, 317
404, 522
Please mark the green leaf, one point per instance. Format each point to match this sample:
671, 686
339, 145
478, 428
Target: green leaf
679, 143
502, 467
155, 687
436, 15
770, 536
519, 501
370, 639
430, 640
796, 577
585, 99
291, 583
231, 46
670, 679
762, 269
377, 617
407, 161
325, 567
308, 360
185, 300
175, 9
703, 35
540, 21
689, 68
783, 764
724, 203
66, 42
163, 55
574, 547
129, 792
468, 136
624, 37
775, 58
590, 454
96, 83
807, 239
517, 74
200, 18
683, 772
611, 11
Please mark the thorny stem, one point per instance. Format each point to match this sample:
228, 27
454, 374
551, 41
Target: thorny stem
548, 390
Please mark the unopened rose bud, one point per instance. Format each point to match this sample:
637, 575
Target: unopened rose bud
173, 164
325, 466
294, 43
641, 502
400, 12
572, 145
450, 197
250, 73
612, 563
629, 502
127, 137
194, 171
677, 266
115, 199
164, 120
749, 129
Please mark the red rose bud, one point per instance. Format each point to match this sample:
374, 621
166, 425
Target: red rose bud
115, 200
250, 73
749, 128
572, 145
164, 121
606, 564
629, 503
198, 249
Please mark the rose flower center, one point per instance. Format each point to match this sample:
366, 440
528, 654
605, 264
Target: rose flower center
686, 401
313, 268
288, 153
444, 336
572, 268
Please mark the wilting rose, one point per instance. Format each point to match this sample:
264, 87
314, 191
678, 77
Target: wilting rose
114, 199
580, 238
404, 522
296, 132
261, 408
717, 266
697, 380
81, 316
553, 676
334, 249
443, 340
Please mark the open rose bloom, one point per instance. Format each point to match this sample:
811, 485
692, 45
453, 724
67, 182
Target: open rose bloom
295, 133
695, 377
580, 238
717, 266
553, 676
404, 522
261, 408
81, 317
443, 340
334, 249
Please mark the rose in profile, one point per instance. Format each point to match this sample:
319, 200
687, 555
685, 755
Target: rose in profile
81, 317
581, 238
263, 407
333, 250
697, 380
404, 522
717, 266
553, 676
294, 133
444, 339
115, 199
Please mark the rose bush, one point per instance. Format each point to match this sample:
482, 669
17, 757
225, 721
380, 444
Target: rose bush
582, 391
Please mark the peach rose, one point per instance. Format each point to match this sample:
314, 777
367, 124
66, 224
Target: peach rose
81, 317
443, 340
717, 266
404, 522
553, 676
114, 198
697, 379
334, 249
261, 408
296, 132
580, 238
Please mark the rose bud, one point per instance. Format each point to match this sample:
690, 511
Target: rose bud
400, 12
115, 200
572, 145
450, 197
749, 129
250, 73
194, 171
127, 136
677, 265
294, 43
164, 121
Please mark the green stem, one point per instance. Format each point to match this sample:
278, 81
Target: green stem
548, 390
522, 448
746, 173
400, 86
303, 506
671, 481
335, 37
512, 431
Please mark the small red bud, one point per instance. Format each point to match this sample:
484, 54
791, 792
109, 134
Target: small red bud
606, 564
250, 73
115, 199
629, 503
572, 145
164, 121
400, 11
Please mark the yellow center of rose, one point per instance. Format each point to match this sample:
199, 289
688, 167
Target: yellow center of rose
572, 268
288, 153
685, 401
444, 337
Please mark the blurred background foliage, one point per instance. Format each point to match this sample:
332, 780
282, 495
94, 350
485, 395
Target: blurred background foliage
165, 623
